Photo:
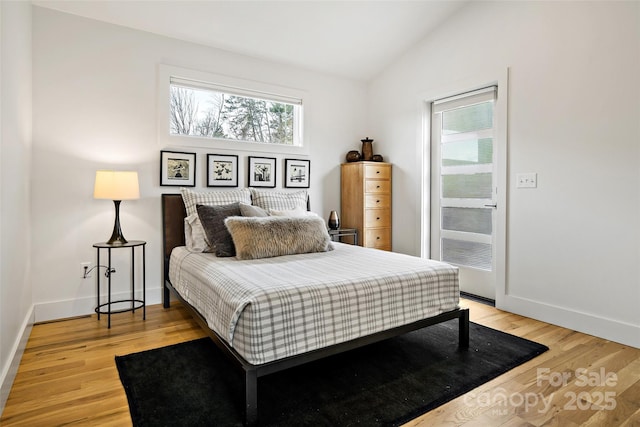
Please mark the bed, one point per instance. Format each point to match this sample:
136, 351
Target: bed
271, 314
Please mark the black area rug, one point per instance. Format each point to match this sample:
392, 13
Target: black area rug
383, 384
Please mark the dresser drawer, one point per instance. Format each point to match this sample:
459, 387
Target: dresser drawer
375, 186
379, 238
377, 172
377, 201
377, 218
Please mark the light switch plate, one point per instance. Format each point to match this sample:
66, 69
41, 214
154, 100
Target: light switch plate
527, 180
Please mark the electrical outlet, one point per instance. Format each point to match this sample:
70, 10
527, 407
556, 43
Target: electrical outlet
85, 270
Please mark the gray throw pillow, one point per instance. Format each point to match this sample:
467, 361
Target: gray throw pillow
212, 219
250, 210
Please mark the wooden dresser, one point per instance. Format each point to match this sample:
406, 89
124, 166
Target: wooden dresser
365, 199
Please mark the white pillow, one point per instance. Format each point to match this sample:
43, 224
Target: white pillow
297, 212
194, 235
279, 200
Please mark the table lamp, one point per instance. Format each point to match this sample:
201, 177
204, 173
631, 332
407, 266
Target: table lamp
116, 186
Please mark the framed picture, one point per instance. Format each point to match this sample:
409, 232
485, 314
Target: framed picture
262, 172
296, 173
222, 170
177, 169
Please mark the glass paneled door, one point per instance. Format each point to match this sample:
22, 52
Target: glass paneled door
463, 188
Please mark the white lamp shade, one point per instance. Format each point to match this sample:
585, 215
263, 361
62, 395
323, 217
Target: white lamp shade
116, 185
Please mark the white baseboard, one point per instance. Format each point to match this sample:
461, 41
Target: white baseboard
13, 362
609, 329
55, 310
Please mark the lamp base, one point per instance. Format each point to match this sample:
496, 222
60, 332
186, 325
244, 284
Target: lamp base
117, 240
116, 237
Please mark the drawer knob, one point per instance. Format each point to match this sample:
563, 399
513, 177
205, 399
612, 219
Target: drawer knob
377, 171
377, 237
377, 218
377, 186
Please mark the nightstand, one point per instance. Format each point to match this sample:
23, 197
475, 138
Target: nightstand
337, 235
135, 304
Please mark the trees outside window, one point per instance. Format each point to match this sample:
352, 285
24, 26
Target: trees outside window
208, 113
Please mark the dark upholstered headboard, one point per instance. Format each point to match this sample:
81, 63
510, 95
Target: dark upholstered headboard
173, 215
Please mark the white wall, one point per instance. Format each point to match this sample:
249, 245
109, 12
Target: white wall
573, 244
15, 151
95, 107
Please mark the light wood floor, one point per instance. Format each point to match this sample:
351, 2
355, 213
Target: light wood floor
68, 376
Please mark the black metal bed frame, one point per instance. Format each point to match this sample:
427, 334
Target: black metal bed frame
173, 214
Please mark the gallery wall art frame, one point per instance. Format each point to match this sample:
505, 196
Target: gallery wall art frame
222, 170
262, 172
177, 169
296, 173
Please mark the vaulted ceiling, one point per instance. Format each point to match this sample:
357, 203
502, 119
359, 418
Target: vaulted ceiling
355, 39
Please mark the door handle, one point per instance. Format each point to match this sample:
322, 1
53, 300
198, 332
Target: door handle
494, 205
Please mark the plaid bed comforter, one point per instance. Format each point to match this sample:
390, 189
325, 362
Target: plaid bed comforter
272, 308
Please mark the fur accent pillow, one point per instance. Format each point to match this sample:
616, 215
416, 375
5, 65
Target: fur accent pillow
265, 237
212, 219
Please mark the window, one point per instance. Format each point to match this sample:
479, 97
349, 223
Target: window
211, 111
